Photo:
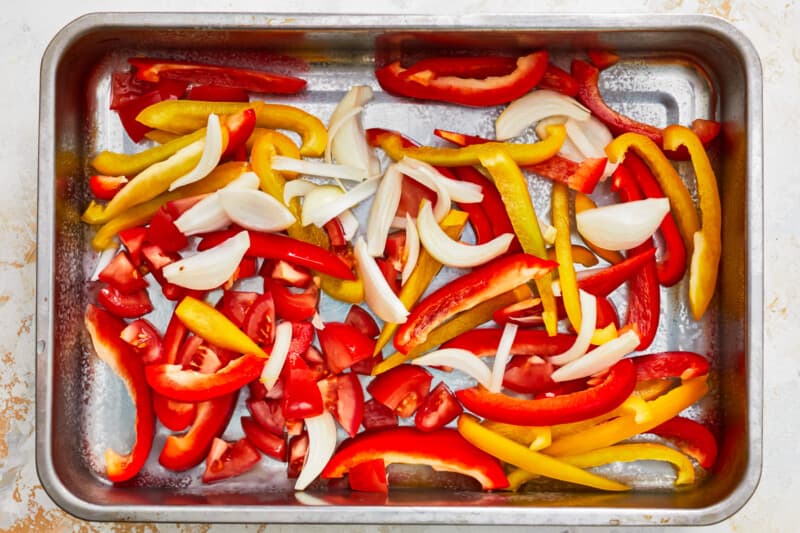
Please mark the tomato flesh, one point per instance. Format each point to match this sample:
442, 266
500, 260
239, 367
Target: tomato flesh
144, 338
344, 345
227, 459
438, 409
402, 389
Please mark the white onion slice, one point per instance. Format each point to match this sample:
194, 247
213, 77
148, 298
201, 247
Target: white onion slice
578, 137
384, 206
346, 133
349, 224
248, 180
412, 245
548, 232
377, 293
431, 178
588, 323
502, 356
255, 210
295, 188
460, 359
532, 108
568, 150
326, 201
210, 268
212, 151
103, 259
455, 253
321, 445
316, 168
277, 356
333, 130
599, 359
622, 226
208, 214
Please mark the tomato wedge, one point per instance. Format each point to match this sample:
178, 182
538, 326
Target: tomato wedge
268, 414
344, 345
132, 305
227, 459
378, 416
259, 322
145, 339
121, 274
301, 398
266, 442
402, 389
438, 409
369, 476
360, 319
235, 305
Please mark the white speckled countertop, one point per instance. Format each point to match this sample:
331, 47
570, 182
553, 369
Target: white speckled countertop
25, 30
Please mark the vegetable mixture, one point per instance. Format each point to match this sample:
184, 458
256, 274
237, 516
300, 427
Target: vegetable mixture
561, 382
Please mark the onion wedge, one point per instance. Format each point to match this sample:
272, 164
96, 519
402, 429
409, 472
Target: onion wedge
212, 151
347, 141
463, 360
208, 214
326, 201
210, 268
316, 168
384, 206
349, 224
412, 245
377, 293
502, 356
454, 253
622, 226
532, 108
278, 353
295, 188
599, 359
582, 341
321, 445
255, 210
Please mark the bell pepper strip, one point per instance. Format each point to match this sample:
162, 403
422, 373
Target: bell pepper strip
681, 204
707, 241
483, 342
444, 450
650, 389
465, 292
174, 415
514, 191
602, 59
563, 246
582, 203
457, 89
534, 462
461, 323
606, 281
182, 452
188, 115
534, 437
217, 93
589, 95
479, 221
693, 438
624, 427
640, 451
523, 154
559, 80
154, 70
672, 264
121, 164
172, 381
462, 67
633, 405
142, 213
106, 187
615, 387
161, 137
684, 365
580, 255
105, 330
369, 476
280, 247
208, 323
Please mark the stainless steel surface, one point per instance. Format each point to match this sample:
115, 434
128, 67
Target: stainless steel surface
674, 69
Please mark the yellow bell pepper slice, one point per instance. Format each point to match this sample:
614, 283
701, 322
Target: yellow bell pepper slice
118, 164
142, 213
708, 241
633, 406
624, 427
582, 203
672, 185
513, 189
208, 323
457, 325
183, 116
563, 245
160, 136
532, 461
426, 269
534, 437
651, 389
523, 154
603, 335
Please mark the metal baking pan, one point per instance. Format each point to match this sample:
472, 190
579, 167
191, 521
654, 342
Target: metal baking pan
673, 69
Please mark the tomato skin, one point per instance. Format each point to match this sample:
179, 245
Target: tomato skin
344, 345
294, 306
301, 398
360, 319
266, 442
528, 374
259, 322
145, 340
298, 448
378, 416
235, 304
165, 233
369, 476
402, 389
438, 409
133, 240
123, 275
344, 398
227, 459
131, 305
268, 414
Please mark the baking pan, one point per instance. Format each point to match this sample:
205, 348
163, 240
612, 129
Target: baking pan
673, 69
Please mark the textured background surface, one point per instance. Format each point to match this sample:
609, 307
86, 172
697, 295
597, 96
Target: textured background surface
25, 31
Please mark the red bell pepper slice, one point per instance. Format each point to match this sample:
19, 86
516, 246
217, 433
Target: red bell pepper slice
274, 246
477, 92
467, 291
492, 203
174, 382
105, 330
484, 341
217, 93
693, 438
164, 233
344, 345
462, 67
672, 265
174, 415
126, 88
684, 365
582, 177
528, 374
153, 69
268, 414
559, 80
121, 274
589, 95
301, 398
266, 442
402, 389
106, 187
227, 459
614, 388
369, 476
132, 305
378, 416
360, 319
606, 314
144, 338
293, 306
240, 126
479, 221
605, 281
438, 409
644, 295
133, 239
259, 322
129, 108
602, 59
442, 449
390, 274
298, 448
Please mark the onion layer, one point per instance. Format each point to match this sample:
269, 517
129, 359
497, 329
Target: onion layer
326, 201
347, 141
316, 168
212, 151
502, 356
428, 176
384, 206
622, 226
277, 356
599, 359
412, 245
377, 293
210, 268
532, 108
321, 445
582, 341
255, 210
463, 360
208, 214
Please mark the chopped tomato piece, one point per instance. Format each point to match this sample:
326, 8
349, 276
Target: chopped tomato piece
395, 250
145, 339
359, 318
259, 322
268, 414
438, 409
133, 240
165, 233
369, 476
378, 416
262, 439
344, 345
528, 374
402, 388
301, 398
298, 448
294, 306
235, 304
121, 274
227, 459
132, 305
